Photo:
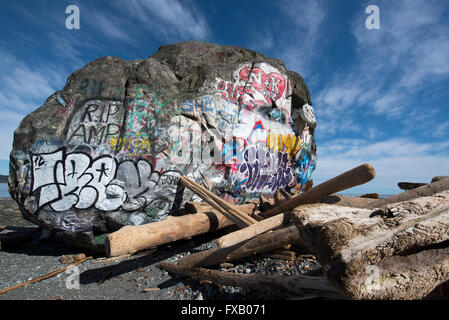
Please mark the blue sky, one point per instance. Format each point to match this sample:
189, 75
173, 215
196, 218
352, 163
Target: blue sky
380, 96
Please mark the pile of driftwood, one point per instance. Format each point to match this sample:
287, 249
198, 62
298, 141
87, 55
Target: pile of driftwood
393, 248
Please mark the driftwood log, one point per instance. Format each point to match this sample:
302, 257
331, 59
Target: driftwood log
346, 180
130, 239
229, 211
438, 178
294, 285
398, 252
410, 185
254, 230
44, 277
354, 202
200, 206
370, 196
424, 191
260, 244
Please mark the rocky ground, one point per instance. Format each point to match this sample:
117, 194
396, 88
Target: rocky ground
125, 279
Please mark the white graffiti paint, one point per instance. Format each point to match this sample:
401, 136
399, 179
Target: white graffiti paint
74, 180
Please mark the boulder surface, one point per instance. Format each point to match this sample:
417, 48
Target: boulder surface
108, 149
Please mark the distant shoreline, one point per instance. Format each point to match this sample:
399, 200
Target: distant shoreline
3, 179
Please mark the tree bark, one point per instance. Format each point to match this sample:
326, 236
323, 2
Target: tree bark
259, 244
423, 191
231, 212
253, 230
340, 200
410, 185
295, 285
130, 239
200, 206
400, 251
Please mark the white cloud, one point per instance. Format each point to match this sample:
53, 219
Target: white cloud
442, 130
63, 46
395, 160
171, 19
108, 24
413, 42
392, 67
23, 88
307, 18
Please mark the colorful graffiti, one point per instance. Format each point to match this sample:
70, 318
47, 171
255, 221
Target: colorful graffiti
289, 144
265, 171
304, 169
66, 105
143, 114
130, 145
128, 155
254, 87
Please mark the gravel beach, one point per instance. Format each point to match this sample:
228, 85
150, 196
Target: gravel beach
125, 279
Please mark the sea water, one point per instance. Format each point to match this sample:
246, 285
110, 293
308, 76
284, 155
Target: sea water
4, 190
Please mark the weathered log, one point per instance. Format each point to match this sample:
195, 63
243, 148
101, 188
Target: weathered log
200, 206
340, 200
265, 203
346, 180
438, 178
309, 185
423, 191
277, 197
280, 254
130, 239
370, 196
286, 194
231, 212
296, 284
397, 252
410, 185
259, 244
254, 230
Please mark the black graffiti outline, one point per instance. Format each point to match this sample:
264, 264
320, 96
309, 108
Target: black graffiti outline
37, 192
79, 105
158, 175
92, 160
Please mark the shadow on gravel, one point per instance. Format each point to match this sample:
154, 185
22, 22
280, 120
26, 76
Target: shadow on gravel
162, 253
96, 275
50, 247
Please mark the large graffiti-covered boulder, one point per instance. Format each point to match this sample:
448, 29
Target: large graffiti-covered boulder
108, 149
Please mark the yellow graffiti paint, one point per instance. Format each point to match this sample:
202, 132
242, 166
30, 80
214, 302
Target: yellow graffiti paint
285, 143
131, 144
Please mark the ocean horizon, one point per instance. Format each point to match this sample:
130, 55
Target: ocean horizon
4, 193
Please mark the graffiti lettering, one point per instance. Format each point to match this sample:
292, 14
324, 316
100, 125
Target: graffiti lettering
63, 181
290, 144
95, 89
254, 88
96, 122
131, 145
265, 171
